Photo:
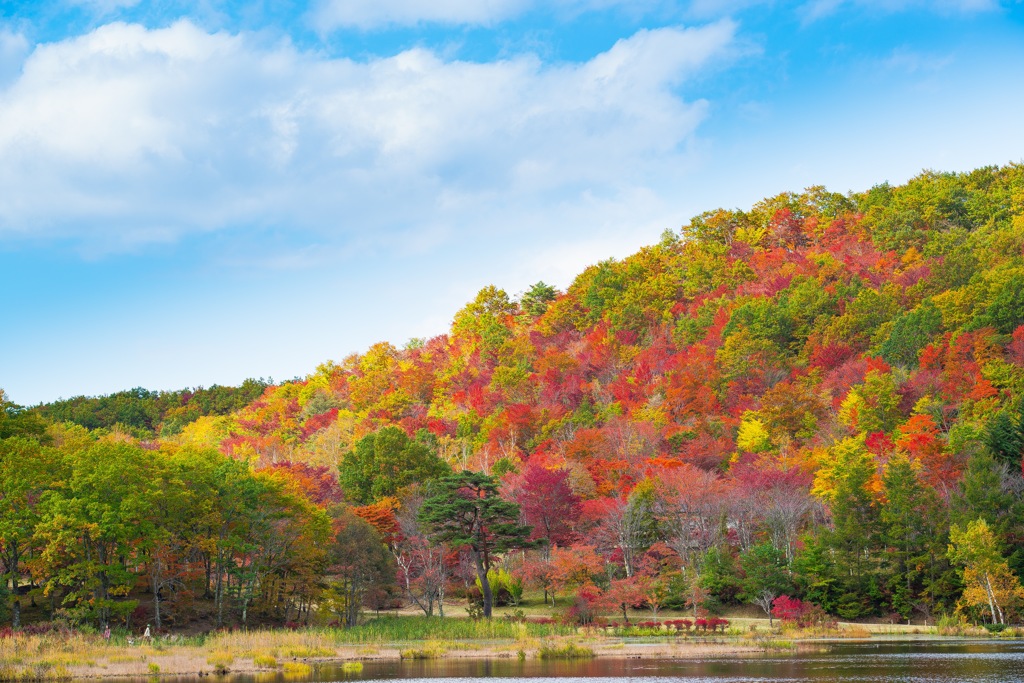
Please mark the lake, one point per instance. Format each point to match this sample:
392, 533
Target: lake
916, 662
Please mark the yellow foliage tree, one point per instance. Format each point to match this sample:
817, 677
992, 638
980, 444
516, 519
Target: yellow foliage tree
753, 436
988, 581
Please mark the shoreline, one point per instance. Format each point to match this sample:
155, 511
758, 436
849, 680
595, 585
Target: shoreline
158, 660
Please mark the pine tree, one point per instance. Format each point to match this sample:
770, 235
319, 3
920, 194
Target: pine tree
465, 510
1005, 435
904, 530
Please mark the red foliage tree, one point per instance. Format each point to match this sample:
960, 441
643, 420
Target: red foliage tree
547, 503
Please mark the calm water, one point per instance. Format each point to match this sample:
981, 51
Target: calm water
982, 661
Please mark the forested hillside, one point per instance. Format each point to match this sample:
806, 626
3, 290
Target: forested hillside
821, 398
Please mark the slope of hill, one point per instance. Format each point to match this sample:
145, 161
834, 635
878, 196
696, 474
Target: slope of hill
757, 355
831, 386
760, 337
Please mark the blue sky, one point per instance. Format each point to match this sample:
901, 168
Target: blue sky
196, 192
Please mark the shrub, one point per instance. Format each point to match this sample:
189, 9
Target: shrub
428, 651
803, 614
581, 612
505, 588
264, 662
297, 669
680, 624
717, 624
568, 651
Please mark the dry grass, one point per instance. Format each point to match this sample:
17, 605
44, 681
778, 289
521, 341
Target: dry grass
566, 651
306, 652
432, 649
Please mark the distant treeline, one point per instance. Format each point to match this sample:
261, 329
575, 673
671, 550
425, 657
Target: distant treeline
152, 413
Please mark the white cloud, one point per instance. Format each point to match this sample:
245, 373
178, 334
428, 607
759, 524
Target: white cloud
127, 136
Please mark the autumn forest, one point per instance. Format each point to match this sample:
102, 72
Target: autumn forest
812, 407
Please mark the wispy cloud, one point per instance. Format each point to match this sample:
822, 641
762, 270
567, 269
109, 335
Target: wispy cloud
127, 135
819, 9
103, 7
913, 62
366, 14
328, 15
718, 8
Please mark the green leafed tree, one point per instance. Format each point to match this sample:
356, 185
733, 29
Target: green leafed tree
359, 562
88, 526
24, 475
766, 576
536, 299
910, 333
16, 421
383, 463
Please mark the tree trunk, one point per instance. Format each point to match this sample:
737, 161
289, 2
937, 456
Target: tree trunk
352, 605
16, 603
16, 599
992, 601
485, 585
219, 594
208, 566
428, 608
155, 585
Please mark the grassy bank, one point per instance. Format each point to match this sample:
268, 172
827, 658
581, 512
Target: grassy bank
69, 655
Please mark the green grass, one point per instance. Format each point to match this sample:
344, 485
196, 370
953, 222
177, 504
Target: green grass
398, 629
265, 661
